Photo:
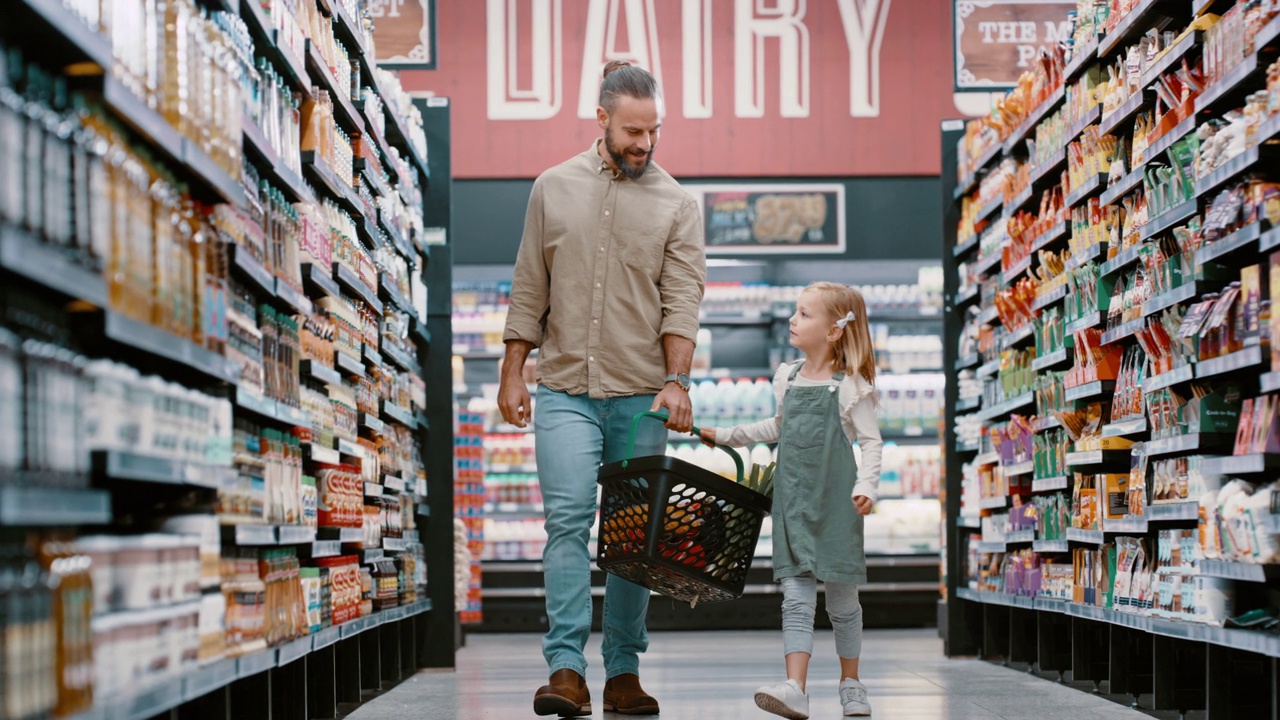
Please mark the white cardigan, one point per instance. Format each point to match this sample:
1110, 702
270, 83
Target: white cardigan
857, 415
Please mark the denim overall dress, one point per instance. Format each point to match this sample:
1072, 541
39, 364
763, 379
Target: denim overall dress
816, 528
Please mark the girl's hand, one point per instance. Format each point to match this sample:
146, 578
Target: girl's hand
708, 436
863, 504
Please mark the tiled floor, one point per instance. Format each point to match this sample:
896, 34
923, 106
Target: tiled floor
711, 676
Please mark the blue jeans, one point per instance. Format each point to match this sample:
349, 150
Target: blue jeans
575, 434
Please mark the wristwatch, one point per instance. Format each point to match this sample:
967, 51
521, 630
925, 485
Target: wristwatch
681, 379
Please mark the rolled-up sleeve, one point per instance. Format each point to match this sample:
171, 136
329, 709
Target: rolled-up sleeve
684, 274
867, 432
531, 281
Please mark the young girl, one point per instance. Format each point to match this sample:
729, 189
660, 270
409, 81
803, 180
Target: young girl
826, 402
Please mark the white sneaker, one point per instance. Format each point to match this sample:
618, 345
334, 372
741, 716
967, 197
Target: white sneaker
785, 699
853, 695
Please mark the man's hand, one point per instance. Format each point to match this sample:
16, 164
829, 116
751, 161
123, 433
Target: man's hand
514, 402
863, 504
513, 394
679, 409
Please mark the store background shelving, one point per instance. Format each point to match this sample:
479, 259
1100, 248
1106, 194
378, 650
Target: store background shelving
58, 297
744, 317
1163, 489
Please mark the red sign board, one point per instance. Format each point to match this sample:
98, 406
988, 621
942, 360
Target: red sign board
752, 88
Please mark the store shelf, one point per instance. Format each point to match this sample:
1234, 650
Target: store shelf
984, 264
988, 315
267, 43
1164, 301
969, 521
1270, 382
1019, 201
1061, 482
994, 503
1094, 458
1051, 297
1051, 546
1019, 336
1024, 468
348, 279
1169, 219
1122, 260
1247, 358
988, 458
1007, 407
1238, 241
989, 369
1241, 465
369, 422
23, 254
349, 448
1189, 443
1089, 391
1083, 257
1122, 187
1177, 376
1042, 424
1090, 320
322, 279
1125, 111
1125, 525
1125, 428
348, 365
968, 362
320, 373
968, 296
373, 358
1093, 186
1261, 158
398, 414
270, 161
138, 467
1171, 58
52, 507
1230, 85
991, 208
270, 409
68, 37
962, 448
344, 535
1125, 331
323, 455
1173, 512
1011, 275
1043, 173
1079, 535
965, 246
1049, 237
1028, 126
1243, 572
1052, 360
344, 111
164, 345
293, 298
1178, 132
1090, 117
965, 405
1085, 57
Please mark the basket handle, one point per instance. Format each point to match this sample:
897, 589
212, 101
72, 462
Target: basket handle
696, 432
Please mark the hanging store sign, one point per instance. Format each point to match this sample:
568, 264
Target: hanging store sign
782, 219
404, 33
998, 40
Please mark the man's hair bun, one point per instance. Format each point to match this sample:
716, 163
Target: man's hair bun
615, 65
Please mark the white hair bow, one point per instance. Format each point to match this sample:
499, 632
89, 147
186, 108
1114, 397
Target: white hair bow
848, 318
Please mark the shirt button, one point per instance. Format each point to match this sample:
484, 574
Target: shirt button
592, 358
597, 284
601, 248
596, 322
606, 213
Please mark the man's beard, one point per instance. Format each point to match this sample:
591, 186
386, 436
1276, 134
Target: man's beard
631, 172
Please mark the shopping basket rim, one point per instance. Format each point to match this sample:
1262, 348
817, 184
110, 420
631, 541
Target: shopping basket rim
690, 474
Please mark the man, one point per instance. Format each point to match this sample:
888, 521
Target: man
607, 285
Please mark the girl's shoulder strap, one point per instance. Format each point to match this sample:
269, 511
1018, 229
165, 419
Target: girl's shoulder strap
795, 370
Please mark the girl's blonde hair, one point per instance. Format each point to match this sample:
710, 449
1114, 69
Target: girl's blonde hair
852, 351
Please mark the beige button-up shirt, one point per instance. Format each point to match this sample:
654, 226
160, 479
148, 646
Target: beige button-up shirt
606, 267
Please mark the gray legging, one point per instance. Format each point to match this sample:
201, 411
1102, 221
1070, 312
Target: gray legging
800, 602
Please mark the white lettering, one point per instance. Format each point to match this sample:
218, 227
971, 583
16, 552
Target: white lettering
1027, 53
1007, 32
1028, 30
542, 99
600, 47
864, 22
752, 25
986, 28
385, 8
697, 59
1056, 32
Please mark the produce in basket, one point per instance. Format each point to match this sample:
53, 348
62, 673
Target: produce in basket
760, 478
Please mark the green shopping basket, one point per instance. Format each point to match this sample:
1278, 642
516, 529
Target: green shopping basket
676, 528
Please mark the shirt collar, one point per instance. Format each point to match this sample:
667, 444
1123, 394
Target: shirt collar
593, 156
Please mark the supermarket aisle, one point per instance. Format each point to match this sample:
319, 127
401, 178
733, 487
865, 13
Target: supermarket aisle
711, 676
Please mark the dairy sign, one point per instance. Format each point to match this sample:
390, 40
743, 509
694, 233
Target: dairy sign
750, 87
998, 40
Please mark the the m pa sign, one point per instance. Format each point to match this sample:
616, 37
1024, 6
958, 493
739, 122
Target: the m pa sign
998, 40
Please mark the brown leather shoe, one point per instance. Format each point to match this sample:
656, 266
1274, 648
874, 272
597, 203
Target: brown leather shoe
566, 695
623, 695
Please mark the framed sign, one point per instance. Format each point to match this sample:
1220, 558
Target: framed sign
404, 33
998, 40
779, 219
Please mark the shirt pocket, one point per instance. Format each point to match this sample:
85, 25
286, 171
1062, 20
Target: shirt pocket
645, 252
